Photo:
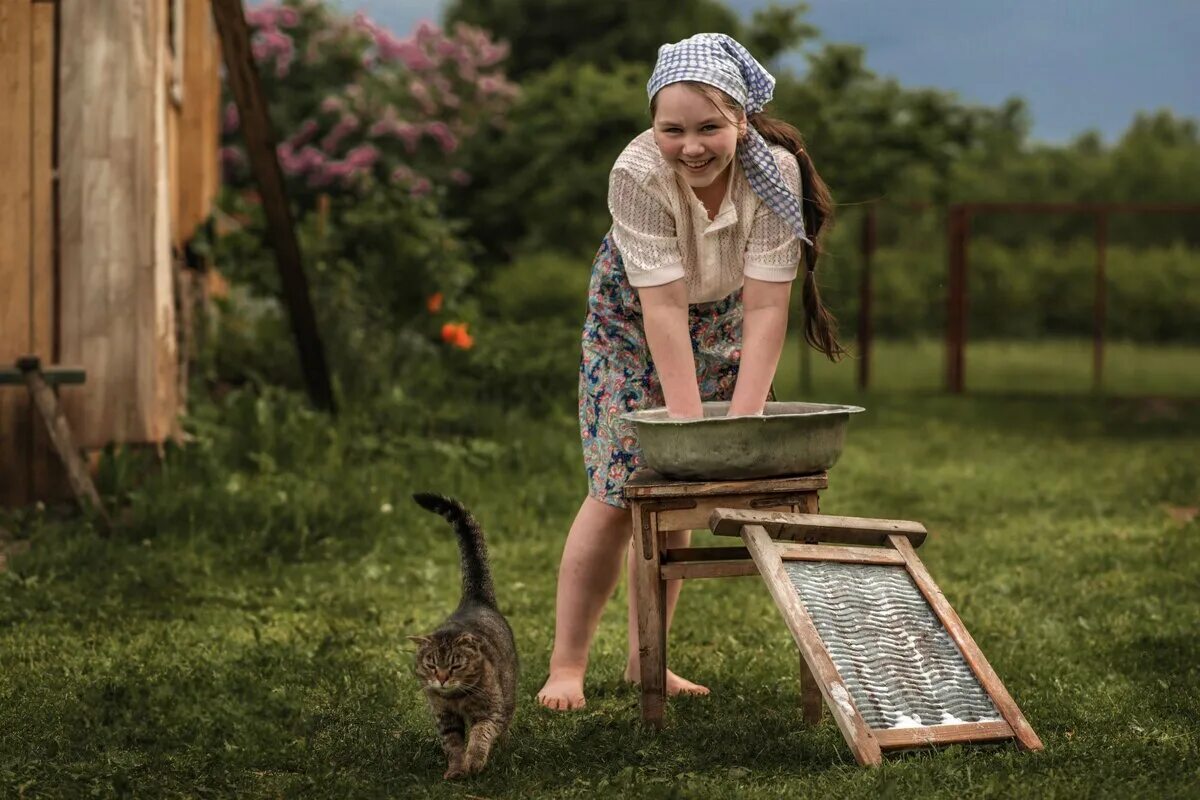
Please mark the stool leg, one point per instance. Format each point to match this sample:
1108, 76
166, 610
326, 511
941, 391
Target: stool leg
651, 614
810, 695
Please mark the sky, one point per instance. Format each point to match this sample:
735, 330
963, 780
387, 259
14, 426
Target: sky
1078, 64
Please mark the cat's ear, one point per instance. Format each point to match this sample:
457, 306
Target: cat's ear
420, 641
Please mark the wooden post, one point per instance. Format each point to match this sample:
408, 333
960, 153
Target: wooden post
1100, 309
971, 653
651, 613
810, 692
864, 298
264, 163
957, 230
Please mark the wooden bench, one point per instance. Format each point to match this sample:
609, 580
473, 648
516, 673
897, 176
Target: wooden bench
659, 505
41, 383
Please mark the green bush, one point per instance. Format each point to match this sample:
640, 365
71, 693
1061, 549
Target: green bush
372, 264
546, 286
1038, 290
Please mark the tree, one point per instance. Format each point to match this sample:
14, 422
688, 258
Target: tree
542, 183
543, 32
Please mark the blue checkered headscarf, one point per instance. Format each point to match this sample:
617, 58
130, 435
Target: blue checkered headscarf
719, 60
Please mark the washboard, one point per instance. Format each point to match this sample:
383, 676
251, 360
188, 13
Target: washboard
894, 663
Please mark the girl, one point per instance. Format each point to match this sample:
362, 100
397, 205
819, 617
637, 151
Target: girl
688, 301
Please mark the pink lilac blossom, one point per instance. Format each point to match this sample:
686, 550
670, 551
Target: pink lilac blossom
340, 171
402, 174
489, 84
426, 31
443, 135
420, 93
305, 161
272, 15
409, 134
304, 133
467, 71
460, 177
409, 54
421, 187
345, 126
273, 43
492, 54
363, 157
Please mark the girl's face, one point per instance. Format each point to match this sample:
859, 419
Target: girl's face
698, 139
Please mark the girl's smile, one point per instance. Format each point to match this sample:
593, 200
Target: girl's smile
695, 136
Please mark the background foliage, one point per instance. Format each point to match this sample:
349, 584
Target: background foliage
471, 164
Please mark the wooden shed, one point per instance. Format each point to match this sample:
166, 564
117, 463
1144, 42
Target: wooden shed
109, 113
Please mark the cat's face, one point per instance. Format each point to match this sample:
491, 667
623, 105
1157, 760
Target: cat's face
448, 665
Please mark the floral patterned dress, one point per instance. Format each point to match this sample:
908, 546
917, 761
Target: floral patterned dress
617, 375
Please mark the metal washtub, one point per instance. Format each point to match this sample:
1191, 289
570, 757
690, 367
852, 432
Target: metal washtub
788, 439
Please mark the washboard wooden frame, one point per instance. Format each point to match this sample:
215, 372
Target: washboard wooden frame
865, 541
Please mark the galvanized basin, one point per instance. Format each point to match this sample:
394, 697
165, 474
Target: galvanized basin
788, 439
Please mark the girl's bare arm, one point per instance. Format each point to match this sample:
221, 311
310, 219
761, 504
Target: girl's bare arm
765, 304
665, 316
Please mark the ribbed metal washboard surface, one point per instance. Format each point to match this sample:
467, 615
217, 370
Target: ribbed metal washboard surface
898, 663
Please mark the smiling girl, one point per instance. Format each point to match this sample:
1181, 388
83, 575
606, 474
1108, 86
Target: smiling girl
714, 209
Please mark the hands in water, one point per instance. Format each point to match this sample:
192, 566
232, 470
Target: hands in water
697, 412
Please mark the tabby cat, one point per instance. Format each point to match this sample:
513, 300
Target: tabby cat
468, 666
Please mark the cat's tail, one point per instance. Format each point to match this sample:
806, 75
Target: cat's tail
476, 576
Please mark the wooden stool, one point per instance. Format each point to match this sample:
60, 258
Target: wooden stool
660, 505
41, 383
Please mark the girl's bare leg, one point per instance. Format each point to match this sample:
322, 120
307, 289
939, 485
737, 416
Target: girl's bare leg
590, 568
675, 684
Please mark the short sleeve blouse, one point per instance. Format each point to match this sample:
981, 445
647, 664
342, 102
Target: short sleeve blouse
663, 232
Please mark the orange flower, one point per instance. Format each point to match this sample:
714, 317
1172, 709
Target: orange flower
455, 333
434, 303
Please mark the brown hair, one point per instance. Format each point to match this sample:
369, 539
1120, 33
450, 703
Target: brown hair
816, 206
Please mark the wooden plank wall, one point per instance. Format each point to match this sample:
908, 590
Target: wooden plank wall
92, 284
197, 177
116, 297
27, 276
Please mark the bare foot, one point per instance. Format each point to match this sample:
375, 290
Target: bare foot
563, 690
675, 684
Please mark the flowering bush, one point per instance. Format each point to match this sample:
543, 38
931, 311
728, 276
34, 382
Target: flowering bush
355, 105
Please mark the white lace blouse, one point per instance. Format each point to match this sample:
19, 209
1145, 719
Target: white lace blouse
663, 233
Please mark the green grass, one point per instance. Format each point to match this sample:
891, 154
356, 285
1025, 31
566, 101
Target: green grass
243, 633
1012, 367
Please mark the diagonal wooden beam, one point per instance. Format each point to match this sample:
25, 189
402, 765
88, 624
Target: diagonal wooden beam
260, 142
854, 728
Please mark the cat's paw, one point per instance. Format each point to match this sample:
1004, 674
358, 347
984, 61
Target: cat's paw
473, 766
454, 771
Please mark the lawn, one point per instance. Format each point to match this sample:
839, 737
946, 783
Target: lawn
243, 633
1012, 367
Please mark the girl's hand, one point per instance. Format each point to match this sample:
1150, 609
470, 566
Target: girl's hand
687, 412
736, 410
